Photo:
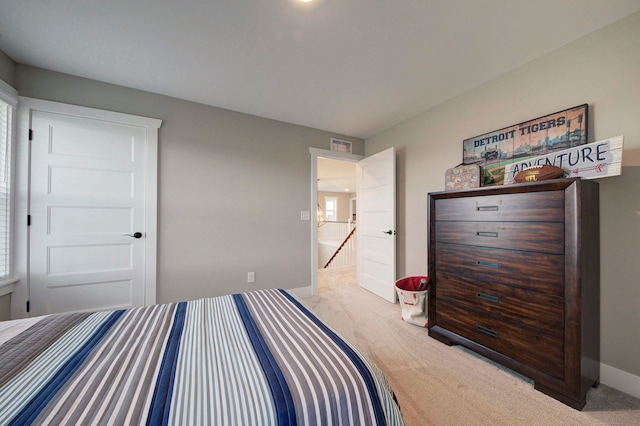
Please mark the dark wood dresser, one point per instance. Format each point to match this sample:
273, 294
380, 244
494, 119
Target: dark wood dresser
515, 276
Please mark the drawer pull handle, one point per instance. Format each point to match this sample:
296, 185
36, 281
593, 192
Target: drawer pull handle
489, 264
487, 297
487, 208
487, 331
487, 234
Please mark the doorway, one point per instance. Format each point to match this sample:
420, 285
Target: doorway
330, 184
376, 236
336, 218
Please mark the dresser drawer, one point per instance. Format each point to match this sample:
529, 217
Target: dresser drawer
537, 206
547, 237
522, 306
535, 271
528, 346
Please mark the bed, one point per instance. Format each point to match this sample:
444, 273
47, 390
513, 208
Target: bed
256, 358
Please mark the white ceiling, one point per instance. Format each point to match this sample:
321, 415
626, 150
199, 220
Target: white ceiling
353, 67
336, 175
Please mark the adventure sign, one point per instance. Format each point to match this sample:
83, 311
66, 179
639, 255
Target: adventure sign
590, 161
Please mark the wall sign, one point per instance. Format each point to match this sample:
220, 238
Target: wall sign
496, 150
590, 161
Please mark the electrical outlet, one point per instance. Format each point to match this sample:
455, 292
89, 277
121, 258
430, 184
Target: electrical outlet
251, 277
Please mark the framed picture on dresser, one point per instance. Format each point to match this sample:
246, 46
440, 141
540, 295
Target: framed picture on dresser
495, 150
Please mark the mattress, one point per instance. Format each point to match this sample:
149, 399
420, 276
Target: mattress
257, 358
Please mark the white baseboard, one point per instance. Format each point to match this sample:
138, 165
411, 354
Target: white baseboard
620, 380
301, 292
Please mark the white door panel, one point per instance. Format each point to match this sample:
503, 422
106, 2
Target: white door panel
94, 296
83, 220
69, 181
376, 195
85, 259
88, 191
108, 144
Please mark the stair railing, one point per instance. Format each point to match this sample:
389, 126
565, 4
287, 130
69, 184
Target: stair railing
340, 248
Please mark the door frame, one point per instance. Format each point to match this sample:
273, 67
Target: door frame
22, 174
315, 154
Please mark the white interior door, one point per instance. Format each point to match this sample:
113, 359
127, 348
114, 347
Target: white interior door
376, 218
90, 194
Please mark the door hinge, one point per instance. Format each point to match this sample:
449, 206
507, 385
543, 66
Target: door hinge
28, 307
30, 134
28, 220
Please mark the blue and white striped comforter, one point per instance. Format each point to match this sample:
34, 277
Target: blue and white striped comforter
258, 358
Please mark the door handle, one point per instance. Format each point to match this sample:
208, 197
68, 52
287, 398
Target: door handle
135, 235
389, 232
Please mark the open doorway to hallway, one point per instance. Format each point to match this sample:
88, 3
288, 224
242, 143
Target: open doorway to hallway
336, 220
376, 233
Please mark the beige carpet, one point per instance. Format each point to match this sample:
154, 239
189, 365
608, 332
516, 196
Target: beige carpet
441, 385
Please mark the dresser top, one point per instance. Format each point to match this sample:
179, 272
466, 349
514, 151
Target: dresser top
546, 185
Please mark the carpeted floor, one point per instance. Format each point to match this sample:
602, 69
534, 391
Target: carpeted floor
441, 385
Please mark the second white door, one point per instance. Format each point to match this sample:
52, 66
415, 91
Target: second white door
89, 244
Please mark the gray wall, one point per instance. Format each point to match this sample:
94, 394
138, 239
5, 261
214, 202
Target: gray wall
603, 70
7, 69
231, 188
5, 307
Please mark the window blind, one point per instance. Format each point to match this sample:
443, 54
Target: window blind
6, 131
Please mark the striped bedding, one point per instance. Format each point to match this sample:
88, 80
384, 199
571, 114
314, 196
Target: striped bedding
257, 358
